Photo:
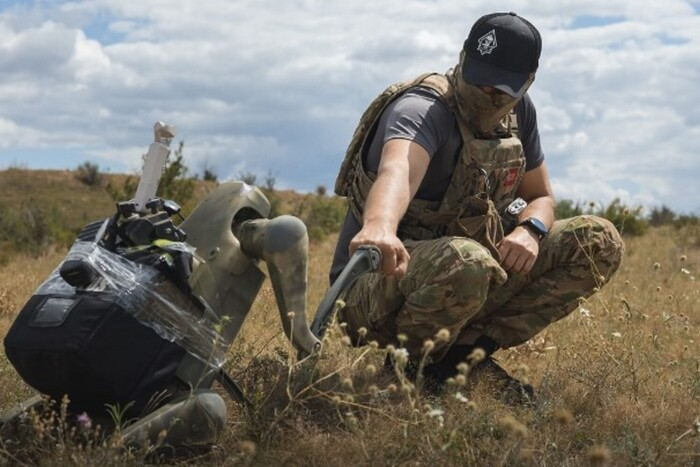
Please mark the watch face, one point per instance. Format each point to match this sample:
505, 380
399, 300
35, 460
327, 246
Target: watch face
539, 225
536, 226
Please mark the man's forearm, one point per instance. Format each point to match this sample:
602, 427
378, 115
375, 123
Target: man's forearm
401, 171
541, 208
388, 200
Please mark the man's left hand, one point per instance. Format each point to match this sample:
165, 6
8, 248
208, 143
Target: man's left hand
519, 250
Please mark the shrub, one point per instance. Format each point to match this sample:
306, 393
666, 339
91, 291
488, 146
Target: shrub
89, 174
31, 228
629, 221
566, 208
174, 182
209, 176
324, 216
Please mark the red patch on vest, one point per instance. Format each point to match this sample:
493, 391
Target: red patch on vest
510, 178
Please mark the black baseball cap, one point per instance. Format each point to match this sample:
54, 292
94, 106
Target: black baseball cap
501, 51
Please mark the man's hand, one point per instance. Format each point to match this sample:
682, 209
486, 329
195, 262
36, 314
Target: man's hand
394, 255
519, 250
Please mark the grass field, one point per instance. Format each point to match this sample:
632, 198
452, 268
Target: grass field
617, 383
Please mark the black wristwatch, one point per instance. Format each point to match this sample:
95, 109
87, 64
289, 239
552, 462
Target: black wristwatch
535, 226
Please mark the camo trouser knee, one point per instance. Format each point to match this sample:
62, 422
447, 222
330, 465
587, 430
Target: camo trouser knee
446, 283
578, 257
454, 283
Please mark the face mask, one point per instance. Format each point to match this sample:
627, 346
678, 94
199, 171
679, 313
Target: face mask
482, 111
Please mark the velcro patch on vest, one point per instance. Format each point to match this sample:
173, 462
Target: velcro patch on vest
510, 178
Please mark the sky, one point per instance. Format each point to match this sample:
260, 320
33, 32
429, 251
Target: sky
275, 88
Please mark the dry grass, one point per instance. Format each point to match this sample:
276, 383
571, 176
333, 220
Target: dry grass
618, 383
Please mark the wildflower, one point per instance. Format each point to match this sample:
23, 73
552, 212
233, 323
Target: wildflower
351, 420
443, 335
513, 426
248, 448
336, 400
428, 346
401, 356
402, 338
526, 456
460, 397
343, 325
373, 389
563, 416
477, 355
291, 315
463, 368
340, 303
616, 335
362, 331
391, 388
439, 415
84, 420
345, 340
598, 455
374, 344
685, 271
683, 258
657, 266
460, 380
347, 384
370, 370
585, 312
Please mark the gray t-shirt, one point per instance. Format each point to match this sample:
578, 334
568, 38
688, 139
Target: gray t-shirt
420, 115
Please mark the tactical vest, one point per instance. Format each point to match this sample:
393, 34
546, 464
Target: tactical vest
483, 184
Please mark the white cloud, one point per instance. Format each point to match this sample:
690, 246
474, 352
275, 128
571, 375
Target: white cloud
278, 86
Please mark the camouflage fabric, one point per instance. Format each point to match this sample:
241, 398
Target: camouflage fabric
455, 283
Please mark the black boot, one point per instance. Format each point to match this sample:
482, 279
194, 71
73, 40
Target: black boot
512, 390
437, 373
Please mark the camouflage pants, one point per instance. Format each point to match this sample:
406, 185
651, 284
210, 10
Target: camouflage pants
455, 283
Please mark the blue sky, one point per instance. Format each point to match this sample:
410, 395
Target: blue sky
276, 88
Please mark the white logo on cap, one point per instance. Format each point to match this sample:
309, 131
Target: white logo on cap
487, 42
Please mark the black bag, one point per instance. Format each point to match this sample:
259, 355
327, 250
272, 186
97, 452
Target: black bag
88, 347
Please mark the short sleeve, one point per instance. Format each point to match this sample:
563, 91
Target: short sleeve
529, 134
419, 116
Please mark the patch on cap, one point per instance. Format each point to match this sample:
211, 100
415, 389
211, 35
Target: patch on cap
487, 42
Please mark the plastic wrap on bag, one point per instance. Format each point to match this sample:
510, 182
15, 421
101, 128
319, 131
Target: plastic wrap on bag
149, 297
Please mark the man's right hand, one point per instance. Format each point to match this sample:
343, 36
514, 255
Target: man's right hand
394, 255
400, 173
